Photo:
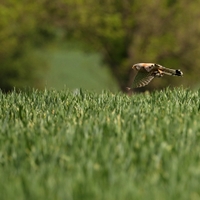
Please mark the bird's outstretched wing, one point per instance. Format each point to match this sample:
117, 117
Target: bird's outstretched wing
143, 73
143, 81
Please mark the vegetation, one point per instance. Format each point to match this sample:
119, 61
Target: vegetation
84, 145
19, 36
128, 32
124, 32
74, 68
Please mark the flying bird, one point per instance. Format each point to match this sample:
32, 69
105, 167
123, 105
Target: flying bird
143, 73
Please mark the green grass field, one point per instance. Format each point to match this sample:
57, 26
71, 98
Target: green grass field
69, 66
83, 145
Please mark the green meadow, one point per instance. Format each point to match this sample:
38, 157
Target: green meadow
77, 144
69, 66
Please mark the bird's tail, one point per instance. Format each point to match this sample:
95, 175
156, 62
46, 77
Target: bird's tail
173, 72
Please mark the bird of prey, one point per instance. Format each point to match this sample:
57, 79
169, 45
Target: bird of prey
143, 73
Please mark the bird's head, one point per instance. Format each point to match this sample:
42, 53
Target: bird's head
146, 66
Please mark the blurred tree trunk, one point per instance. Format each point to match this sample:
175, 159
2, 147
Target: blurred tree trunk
124, 32
127, 32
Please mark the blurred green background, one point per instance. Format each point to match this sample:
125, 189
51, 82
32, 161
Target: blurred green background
73, 68
93, 44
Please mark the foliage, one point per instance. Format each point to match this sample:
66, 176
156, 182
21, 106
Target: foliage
22, 71
127, 32
18, 36
84, 145
74, 68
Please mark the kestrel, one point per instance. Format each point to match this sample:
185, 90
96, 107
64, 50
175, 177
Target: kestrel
143, 73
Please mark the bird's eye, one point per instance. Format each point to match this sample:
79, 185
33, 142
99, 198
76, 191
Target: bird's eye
137, 67
151, 66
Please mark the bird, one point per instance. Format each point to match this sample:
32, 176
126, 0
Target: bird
143, 73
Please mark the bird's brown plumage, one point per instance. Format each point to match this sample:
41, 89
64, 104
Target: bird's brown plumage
143, 73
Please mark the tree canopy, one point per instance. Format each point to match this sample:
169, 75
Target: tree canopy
20, 22
125, 32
